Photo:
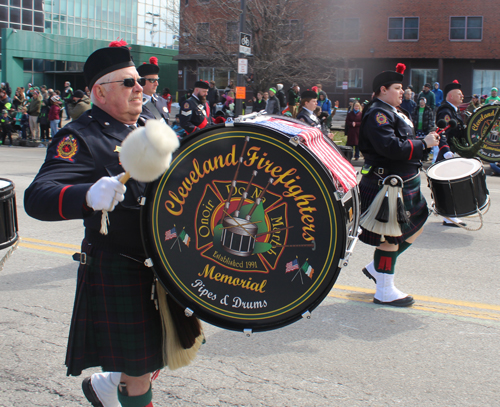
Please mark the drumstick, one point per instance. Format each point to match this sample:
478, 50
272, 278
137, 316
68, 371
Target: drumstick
272, 231
245, 194
313, 245
233, 183
249, 223
259, 199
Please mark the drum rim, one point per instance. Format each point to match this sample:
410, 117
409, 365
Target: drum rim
8, 187
312, 300
477, 112
430, 171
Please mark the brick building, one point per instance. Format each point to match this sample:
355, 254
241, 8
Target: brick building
437, 41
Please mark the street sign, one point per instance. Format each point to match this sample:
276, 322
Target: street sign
245, 43
242, 66
240, 92
345, 85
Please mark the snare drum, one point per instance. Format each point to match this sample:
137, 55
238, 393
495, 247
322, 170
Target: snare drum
247, 229
458, 187
8, 214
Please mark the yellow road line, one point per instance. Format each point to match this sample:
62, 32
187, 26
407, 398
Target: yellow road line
28, 239
430, 304
46, 248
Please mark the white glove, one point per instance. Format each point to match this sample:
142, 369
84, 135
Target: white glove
448, 155
106, 193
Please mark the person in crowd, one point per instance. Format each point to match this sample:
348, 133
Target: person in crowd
324, 103
423, 121
438, 94
428, 95
6, 126
281, 96
482, 99
352, 124
165, 94
44, 93
115, 324
273, 104
449, 110
79, 104
412, 92
24, 123
385, 140
19, 99
34, 106
259, 104
474, 104
5, 101
307, 106
44, 123
55, 114
494, 96
350, 104
195, 112
177, 127
67, 96
213, 95
408, 104
293, 99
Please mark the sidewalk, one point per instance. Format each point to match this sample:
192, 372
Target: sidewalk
19, 142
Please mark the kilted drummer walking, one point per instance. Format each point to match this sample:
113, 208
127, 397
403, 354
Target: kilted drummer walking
392, 206
115, 324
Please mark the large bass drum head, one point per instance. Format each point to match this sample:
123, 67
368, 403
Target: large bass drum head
244, 228
476, 127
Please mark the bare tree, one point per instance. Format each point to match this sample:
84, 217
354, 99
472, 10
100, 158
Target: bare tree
286, 38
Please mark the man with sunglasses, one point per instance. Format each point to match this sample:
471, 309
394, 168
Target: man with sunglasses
115, 324
154, 106
195, 111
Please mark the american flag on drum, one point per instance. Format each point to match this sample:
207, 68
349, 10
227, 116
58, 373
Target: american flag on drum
342, 170
292, 265
170, 234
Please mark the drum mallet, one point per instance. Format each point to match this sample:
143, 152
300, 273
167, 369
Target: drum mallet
145, 155
443, 126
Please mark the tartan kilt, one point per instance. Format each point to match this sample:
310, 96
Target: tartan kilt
414, 202
115, 324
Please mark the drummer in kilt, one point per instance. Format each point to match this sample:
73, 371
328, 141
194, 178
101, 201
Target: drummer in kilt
115, 323
392, 206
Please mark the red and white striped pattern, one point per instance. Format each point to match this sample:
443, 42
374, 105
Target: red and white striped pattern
342, 170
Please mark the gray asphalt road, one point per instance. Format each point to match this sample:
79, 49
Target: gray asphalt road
441, 352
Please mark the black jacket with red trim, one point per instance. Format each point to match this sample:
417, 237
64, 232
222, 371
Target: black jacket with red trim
386, 139
194, 115
80, 154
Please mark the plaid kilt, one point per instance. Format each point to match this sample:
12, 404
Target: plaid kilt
414, 202
115, 325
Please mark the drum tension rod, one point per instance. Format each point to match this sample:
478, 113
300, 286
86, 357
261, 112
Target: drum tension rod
248, 332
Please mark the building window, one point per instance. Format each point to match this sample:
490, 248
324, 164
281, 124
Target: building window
345, 29
291, 30
202, 32
419, 77
403, 28
466, 28
483, 80
232, 32
355, 77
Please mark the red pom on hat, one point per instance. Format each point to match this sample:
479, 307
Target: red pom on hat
118, 43
400, 68
455, 81
153, 60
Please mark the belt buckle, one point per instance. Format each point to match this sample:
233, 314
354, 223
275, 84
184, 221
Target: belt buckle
83, 258
380, 171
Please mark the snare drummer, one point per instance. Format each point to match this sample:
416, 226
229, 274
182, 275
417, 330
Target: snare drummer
115, 324
386, 141
449, 110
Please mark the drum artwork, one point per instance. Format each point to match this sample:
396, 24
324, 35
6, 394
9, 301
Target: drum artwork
248, 229
8, 214
477, 125
458, 187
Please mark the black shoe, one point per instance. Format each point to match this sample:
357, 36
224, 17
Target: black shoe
89, 392
402, 302
454, 225
367, 274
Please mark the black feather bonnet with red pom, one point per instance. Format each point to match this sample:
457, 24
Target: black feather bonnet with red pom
451, 86
149, 69
387, 78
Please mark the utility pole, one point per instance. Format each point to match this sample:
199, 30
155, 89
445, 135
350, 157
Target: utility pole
239, 79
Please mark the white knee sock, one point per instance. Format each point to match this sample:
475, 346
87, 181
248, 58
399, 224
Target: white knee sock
105, 386
386, 291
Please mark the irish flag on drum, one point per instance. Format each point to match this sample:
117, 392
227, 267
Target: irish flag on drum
184, 237
307, 269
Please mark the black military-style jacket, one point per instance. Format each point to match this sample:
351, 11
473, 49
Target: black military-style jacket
309, 117
447, 112
194, 115
80, 154
155, 109
386, 139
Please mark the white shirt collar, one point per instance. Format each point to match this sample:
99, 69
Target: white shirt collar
145, 98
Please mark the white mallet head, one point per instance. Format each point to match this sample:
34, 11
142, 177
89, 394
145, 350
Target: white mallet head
146, 152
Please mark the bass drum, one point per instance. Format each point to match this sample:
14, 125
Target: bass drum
477, 125
8, 214
246, 229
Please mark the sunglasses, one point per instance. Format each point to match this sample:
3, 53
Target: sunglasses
128, 82
151, 80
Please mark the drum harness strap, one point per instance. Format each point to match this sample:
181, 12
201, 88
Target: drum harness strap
8, 254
